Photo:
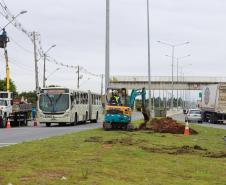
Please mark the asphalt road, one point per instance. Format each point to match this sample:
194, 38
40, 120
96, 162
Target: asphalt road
22, 134
18, 135
180, 117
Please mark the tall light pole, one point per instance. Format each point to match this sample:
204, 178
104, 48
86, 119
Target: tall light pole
57, 69
44, 66
173, 49
102, 84
107, 47
149, 61
178, 58
22, 12
84, 82
183, 79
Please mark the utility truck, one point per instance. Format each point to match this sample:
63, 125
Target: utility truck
16, 111
214, 103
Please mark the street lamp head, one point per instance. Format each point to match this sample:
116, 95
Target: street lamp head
53, 45
23, 12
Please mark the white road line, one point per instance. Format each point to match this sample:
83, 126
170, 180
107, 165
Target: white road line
8, 143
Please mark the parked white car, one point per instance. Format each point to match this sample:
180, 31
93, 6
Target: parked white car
193, 115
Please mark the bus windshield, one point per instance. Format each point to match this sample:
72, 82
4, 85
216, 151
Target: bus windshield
54, 103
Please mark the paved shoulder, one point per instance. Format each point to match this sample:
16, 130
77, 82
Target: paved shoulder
18, 135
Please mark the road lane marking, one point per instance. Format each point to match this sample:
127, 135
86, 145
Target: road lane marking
6, 144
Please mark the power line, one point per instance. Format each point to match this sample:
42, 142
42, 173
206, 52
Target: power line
20, 46
82, 69
10, 17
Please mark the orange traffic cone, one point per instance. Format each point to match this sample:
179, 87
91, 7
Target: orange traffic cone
8, 124
186, 130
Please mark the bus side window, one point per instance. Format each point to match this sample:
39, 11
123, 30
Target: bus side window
78, 98
84, 98
95, 99
81, 98
92, 99
87, 101
75, 100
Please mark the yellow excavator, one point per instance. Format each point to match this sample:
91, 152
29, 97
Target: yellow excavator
119, 108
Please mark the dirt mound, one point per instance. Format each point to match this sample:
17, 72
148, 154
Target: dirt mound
217, 155
165, 125
175, 150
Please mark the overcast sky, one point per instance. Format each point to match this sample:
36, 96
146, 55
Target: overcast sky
77, 27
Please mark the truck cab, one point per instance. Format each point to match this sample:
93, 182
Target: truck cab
5, 107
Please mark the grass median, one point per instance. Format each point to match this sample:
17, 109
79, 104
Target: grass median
100, 157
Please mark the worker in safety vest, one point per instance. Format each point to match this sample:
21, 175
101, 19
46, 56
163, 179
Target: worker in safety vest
115, 99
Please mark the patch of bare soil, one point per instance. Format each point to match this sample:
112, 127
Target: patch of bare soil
122, 141
52, 174
1, 179
175, 150
196, 149
106, 146
47, 173
165, 125
8, 167
125, 141
95, 139
216, 155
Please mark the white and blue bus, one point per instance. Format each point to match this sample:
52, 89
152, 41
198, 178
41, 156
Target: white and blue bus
65, 106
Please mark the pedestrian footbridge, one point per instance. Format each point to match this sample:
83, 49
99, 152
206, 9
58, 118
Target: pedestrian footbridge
164, 82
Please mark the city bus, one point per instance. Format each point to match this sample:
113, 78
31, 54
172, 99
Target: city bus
65, 106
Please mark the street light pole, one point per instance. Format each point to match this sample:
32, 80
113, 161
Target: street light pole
173, 50
101, 88
78, 78
178, 58
44, 71
107, 48
172, 97
57, 69
44, 66
34, 34
149, 62
22, 12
